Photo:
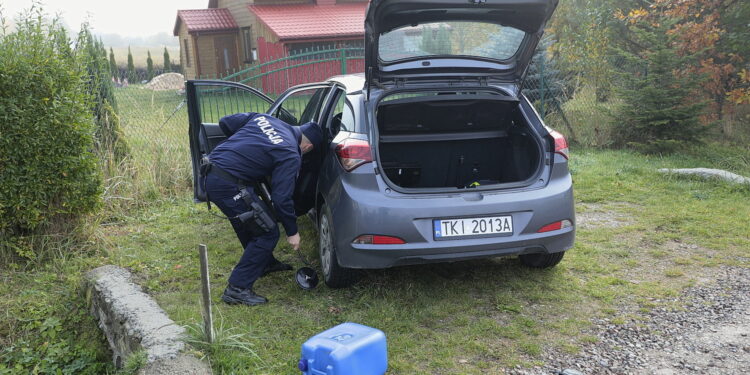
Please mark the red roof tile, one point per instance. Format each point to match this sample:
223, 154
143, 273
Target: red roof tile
205, 20
313, 21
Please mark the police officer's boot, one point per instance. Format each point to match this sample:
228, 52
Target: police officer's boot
234, 295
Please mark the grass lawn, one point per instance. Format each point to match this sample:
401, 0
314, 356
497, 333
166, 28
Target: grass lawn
471, 317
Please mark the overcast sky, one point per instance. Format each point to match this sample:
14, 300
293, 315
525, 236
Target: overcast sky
124, 17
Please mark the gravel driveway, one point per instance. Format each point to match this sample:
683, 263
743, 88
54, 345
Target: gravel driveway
707, 332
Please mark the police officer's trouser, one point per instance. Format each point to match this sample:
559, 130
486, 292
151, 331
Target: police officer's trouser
259, 249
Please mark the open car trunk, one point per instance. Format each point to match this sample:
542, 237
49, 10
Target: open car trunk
457, 141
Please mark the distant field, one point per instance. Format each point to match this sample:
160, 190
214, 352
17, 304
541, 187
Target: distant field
140, 55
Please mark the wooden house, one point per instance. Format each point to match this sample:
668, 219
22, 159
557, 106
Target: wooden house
230, 35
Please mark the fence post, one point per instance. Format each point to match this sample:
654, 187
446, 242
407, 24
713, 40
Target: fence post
343, 61
208, 320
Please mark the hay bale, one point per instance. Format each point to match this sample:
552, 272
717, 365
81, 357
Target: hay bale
166, 81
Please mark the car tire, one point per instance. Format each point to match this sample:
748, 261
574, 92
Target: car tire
334, 275
541, 260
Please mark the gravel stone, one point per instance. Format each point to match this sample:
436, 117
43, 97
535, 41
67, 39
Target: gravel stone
705, 333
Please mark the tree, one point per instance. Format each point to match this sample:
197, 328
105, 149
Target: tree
132, 78
149, 67
584, 30
109, 140
657, 87
734, 42
167, 61
716, 32
468, 36
436, 42
699, 31
114, 71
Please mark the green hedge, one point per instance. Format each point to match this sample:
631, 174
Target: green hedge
48, 173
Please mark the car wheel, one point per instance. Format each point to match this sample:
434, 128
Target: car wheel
541, 260
334, 275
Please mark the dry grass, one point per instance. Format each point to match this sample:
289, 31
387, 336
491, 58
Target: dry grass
140, 54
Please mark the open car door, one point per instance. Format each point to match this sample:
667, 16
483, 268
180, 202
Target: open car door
207, 102
297, 106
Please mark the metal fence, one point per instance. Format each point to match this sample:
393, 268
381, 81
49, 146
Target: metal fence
153, 114
308, 65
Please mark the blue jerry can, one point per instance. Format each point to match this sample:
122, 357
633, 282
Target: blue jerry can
346, 349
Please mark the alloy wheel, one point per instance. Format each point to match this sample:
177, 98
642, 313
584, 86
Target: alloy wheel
326, 242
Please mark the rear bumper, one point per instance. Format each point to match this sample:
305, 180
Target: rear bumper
384, 256
361, 208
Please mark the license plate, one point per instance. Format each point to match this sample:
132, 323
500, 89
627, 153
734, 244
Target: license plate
474, 226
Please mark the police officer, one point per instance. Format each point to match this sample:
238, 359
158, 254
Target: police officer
258, 146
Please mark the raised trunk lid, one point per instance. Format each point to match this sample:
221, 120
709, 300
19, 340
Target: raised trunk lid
418, 39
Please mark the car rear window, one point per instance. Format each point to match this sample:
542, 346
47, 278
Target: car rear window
455, 38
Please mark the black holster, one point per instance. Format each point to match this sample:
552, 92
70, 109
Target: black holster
257, 220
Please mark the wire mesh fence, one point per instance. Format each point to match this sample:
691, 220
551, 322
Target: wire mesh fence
154, 120
581, 103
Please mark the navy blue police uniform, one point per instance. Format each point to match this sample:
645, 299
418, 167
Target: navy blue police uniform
258, 146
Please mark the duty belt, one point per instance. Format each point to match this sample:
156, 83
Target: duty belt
224, 175
260, 188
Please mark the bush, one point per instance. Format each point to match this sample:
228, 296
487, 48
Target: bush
49, 175
47, 327
592, 120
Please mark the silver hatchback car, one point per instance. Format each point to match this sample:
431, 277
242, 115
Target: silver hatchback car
433, 155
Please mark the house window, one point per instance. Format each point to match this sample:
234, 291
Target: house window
247, 44
187, 52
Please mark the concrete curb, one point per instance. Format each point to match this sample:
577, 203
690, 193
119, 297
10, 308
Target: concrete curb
132, 321
709, 173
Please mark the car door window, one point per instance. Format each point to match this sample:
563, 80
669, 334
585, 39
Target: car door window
342, 116
301, 106
208, 101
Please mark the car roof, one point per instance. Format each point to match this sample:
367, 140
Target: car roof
352, 83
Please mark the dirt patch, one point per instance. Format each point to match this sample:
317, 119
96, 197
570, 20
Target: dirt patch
181, 365
670, 259
594, 215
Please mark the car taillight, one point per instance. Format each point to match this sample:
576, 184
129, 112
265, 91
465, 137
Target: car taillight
561, 145
555, 226
375, 239
353, 152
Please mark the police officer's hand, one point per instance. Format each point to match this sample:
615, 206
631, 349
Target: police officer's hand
294, 241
